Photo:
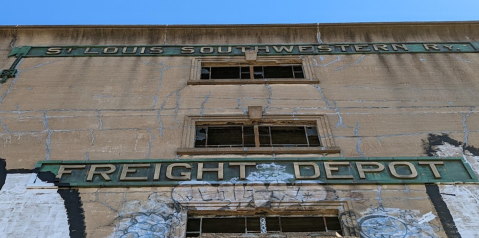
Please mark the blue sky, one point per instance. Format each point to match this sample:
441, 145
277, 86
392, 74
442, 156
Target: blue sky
101, 12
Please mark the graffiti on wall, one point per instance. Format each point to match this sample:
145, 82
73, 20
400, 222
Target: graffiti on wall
458, 217
32, 209
393, 222
163, 214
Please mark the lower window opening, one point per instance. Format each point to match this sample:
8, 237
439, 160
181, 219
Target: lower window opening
196, 226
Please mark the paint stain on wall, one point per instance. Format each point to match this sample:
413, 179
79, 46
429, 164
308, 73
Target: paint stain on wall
462, 200
36, 212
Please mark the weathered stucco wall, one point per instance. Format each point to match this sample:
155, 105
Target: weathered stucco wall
394, 105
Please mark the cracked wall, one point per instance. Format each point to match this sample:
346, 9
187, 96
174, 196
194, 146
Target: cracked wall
134, 108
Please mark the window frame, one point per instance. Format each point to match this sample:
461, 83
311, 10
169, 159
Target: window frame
257, 135
238, 61
320, 121
279, 216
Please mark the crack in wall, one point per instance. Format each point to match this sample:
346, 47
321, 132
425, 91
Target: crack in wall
4, 126
358, 144
323, 96
270, 94
150, 143
357, 62
202, 110
318, 34
92, 138
160, 128
47, 128
100, 123
463, 60
322, 60
160, 82
177, 92
464, 125
380, 199
240, 104
177, 106
18, 110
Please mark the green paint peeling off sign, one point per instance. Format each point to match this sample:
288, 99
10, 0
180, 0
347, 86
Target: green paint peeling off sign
388, 170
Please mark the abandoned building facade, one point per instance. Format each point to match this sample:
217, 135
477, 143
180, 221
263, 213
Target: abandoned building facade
305, 130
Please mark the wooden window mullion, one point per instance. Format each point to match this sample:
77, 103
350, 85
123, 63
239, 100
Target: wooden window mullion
251, 72
256, 135
306, 134
270, 136
206, 138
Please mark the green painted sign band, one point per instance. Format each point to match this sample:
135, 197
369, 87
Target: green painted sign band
389, 170
239, 50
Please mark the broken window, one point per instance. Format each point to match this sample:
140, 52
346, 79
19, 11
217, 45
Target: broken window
196, 226
256, 136
252, 72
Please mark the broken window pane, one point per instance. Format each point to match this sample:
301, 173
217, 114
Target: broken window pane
245, 73
248, 135
278, 72
313, 137
302, 224
283, 136
253, 225
222, 225
258, 72
225, 73
225, 136
298, 72
205, 72
200, 138
264, 136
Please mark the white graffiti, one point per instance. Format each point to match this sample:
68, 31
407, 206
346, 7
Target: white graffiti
395, 223
270, 172
149, 219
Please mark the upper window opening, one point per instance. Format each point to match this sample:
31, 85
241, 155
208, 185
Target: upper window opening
238, 70
252, 72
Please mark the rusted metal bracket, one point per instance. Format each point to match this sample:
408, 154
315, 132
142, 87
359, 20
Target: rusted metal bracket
7, 73
11, 72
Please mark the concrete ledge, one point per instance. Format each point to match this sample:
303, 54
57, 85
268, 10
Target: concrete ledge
258, 150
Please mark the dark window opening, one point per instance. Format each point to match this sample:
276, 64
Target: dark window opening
252, 72
256, 136
197, 226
